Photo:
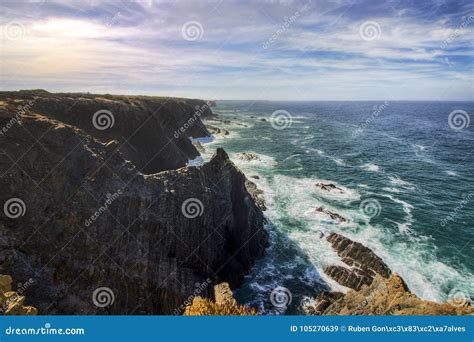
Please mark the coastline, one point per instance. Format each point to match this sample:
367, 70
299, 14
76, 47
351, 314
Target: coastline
252, 168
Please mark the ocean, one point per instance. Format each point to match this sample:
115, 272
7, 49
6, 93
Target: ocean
405, 178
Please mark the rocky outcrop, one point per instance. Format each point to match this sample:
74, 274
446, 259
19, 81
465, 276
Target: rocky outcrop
327, 187
90, 221
217, 131
332, 215
384, 296
152, 132
248, 156
223, 304
256, 193
12, 302
363, 263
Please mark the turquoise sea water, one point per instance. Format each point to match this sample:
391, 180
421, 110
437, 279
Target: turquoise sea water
407, 190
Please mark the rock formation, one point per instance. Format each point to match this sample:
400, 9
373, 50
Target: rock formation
92, 220
333, 216
363, 263
383, 297
12, 302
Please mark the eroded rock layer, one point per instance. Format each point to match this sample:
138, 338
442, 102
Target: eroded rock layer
96, 234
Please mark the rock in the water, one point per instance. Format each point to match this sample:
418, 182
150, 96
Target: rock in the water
327, 187
363, 263
254, 177
217, 131
248, 156
333, 216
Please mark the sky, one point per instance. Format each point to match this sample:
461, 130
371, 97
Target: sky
260, 50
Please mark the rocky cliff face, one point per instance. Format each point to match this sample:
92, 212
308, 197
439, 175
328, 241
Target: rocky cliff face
152, 132
95, 233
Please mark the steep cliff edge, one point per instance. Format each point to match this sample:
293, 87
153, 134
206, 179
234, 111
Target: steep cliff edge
152, 132
99, 236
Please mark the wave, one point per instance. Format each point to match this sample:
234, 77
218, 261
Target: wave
370, 167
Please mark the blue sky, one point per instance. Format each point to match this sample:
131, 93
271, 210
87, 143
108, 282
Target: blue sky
262, 50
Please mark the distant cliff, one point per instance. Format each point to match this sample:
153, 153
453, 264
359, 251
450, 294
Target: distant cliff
109, 221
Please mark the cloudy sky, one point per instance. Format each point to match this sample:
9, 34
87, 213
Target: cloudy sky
219, 49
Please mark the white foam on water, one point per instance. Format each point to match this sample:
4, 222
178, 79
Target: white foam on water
395, 180
394, 190
263, 161
370, 167
451, 173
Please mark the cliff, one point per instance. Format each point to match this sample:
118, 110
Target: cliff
98, 235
